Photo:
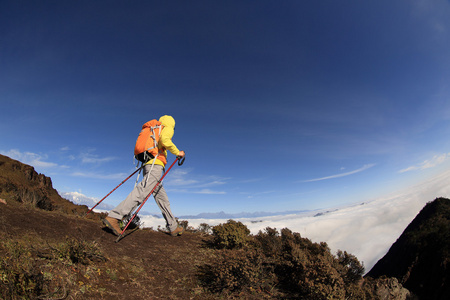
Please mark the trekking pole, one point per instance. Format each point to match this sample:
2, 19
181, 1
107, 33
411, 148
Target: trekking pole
180, 162
113, 190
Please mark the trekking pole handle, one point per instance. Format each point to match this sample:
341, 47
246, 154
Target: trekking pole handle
181, 160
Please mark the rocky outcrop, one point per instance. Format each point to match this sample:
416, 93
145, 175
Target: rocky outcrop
40, 179
20, 182
390, 289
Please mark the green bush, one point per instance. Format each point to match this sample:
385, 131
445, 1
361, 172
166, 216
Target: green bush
233, 270
352, 268
230, 235
204, 228
184, 224
284, 263
269, 242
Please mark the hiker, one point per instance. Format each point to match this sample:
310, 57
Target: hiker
153, 169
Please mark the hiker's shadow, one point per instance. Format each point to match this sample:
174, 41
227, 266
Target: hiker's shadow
108, 230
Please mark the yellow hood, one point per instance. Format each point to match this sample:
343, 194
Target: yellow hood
165, 140
167, 121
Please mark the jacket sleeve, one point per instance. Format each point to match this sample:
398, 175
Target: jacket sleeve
166, 140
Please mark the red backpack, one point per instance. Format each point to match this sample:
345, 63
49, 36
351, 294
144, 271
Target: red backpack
147, 142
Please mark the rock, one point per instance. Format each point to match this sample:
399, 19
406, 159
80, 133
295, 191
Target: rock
391, 289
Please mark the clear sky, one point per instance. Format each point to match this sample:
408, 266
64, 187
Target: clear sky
279, 105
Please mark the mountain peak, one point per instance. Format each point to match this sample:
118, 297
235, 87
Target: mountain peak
419, 258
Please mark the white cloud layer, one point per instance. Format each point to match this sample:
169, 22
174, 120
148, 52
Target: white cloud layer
366, 230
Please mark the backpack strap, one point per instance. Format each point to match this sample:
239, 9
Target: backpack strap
153, 135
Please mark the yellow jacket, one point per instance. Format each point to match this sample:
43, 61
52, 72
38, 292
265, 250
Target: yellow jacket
165, 141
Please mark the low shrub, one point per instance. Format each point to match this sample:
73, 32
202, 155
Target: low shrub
77, 251
230, 235
269, 242
236, 270
28, 271
352, 268
204, 228
184, 224
282, 263
20, 277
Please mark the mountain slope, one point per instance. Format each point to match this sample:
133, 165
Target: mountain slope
420, 258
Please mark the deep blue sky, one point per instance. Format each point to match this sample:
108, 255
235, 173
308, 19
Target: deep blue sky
279, 105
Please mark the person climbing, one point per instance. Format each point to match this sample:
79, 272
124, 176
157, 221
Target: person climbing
153, 169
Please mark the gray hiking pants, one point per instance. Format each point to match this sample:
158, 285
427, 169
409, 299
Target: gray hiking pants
138, 194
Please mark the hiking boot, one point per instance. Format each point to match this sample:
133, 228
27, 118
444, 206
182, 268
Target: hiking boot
112, 224
178, 231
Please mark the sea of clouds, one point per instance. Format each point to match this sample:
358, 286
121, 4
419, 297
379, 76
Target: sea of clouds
366, 230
